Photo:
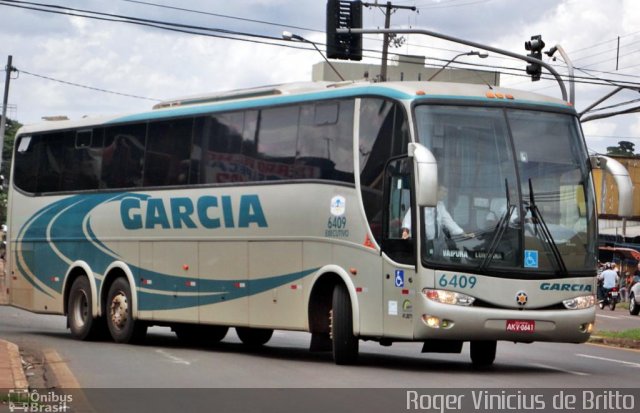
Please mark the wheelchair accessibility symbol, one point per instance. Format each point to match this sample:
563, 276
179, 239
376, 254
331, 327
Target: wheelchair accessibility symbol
530, 259
399, 279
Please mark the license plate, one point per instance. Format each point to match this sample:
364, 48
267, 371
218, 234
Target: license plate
521, 326
614, 293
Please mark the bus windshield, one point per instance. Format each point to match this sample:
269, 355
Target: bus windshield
514, 192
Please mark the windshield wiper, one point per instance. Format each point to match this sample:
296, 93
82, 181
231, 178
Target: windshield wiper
502, 226
538, 222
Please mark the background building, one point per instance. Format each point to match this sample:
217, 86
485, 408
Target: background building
403, 68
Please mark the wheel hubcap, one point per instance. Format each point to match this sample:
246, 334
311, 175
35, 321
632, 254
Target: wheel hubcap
119, 310
80, 309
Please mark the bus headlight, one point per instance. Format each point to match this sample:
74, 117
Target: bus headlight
580, 303
448, 297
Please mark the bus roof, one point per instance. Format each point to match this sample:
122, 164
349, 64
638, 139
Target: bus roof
308, 91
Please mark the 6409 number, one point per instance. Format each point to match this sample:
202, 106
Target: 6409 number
337, 223
457, 281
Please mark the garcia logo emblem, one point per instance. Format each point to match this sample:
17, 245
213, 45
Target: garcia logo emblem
338, 205
521, 298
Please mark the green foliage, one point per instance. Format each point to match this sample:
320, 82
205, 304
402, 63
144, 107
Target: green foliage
632, 334
624, 148
9, 139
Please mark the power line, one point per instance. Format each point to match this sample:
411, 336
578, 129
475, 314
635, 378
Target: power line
176, 27
225, 16
65, 82
221, 33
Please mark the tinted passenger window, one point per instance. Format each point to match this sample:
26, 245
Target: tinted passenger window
122, 158
168, 148
82, 160
278, 133
325, 141
25, 174
222, 144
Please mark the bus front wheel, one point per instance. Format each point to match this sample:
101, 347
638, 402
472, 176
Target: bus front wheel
122, 326
483, 353
344, 342
79, 318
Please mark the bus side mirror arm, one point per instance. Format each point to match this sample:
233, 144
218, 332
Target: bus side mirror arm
622, 180
426, 172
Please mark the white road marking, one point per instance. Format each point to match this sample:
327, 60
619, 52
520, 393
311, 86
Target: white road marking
607, 316
173, 358
546, 366
627, 363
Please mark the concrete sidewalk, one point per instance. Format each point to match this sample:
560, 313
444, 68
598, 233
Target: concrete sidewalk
11, 373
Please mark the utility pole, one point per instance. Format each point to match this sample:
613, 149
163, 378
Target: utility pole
387, 23
5, 104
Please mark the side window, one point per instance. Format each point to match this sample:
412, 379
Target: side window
398, 243
54, 173
384, 133
216, 156
82, 160
325, 141
278, 133
168, 148
25, 174
275, 143
122, 157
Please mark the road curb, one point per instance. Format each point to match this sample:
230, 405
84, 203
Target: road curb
615, 342
10, 356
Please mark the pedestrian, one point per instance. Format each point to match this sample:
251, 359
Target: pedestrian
623, 286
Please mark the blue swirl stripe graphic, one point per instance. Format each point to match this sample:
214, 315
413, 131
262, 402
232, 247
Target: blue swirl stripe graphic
61, 233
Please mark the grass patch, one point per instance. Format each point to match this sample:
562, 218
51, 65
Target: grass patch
632, 334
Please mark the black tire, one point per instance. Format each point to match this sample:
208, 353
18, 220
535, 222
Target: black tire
79, 318
483, 353
344, 342
254, 337
200, 334
612, 305
634, 308
122, 326
601, 305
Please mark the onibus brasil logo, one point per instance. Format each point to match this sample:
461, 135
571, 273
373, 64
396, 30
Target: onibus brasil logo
36, 402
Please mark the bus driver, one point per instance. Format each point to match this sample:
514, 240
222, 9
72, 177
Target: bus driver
444, 219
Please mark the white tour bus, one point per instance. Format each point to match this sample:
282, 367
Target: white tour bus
439, 213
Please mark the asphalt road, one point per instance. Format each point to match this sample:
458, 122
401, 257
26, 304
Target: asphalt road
620, 319
285, 362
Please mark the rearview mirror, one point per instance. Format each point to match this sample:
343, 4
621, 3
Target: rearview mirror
426, 171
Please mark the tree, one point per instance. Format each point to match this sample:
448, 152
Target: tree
624, 148
7, 151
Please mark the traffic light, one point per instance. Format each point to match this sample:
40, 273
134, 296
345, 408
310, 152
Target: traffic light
342, 14
535, 45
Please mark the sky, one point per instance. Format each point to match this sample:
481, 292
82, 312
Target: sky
62, 59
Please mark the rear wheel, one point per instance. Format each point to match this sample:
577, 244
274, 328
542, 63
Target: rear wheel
122, 326
254, 337
483, 353
79, 315
634, 308
344, 342
612, 304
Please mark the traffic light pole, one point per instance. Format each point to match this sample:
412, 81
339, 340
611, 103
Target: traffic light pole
528, 59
